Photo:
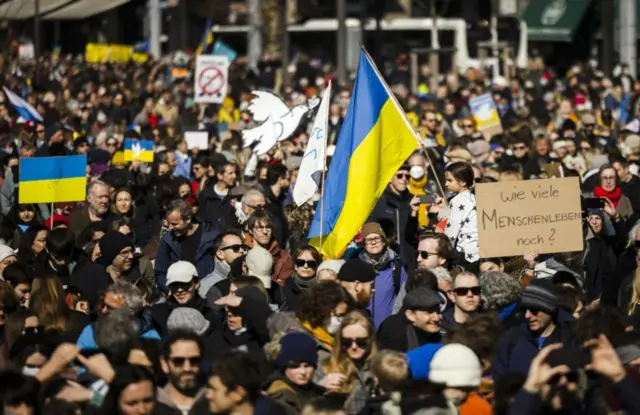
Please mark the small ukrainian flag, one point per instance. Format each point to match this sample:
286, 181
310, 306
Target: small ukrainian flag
138, 150
53, 179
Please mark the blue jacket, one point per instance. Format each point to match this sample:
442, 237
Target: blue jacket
420, 359
518, 346
385, 293
170, 251
87, 341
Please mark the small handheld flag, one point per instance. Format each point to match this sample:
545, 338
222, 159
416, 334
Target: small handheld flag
22, 107
138, 150
53, 179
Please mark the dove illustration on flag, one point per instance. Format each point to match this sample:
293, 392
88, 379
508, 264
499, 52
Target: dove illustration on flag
278, 121
22, 107
313, 162
138, 150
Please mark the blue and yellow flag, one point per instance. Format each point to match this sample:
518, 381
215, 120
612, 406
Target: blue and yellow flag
53, 179
207, 39
376, 138
138, 150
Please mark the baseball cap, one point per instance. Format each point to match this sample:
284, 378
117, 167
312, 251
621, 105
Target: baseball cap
259, 264
181, 271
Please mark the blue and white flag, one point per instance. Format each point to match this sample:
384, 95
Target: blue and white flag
22, 107
313, 162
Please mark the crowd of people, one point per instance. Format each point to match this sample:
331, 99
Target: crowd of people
188, 285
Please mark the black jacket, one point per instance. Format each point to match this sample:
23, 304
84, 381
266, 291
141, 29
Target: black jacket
211, 207
397, 333
160, 313
396, 209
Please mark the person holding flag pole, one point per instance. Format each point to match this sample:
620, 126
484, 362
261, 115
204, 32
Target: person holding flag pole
375, 140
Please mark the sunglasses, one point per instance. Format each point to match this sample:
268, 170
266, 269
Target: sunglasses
533, 311
235, 248
33, 330
180, 361
178, 286
462, 291
402, 176
111, 144
519, 147
310, 263
425, 255
361, 342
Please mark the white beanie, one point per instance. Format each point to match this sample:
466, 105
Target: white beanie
455, 365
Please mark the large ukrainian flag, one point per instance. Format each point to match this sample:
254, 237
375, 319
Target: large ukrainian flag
52, 179
376, 138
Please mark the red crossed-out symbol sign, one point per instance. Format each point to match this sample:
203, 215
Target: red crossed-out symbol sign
211, 81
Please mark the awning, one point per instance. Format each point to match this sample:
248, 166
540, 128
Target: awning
81, 9
554, 20
26, 9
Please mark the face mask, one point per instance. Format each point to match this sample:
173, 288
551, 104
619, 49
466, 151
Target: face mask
30, 371
417, 172
334, 324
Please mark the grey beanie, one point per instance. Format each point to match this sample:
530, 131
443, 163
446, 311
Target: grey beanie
540, 295
187, 318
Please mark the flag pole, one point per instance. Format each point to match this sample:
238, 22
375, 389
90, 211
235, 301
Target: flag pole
51, 216
324, 168
406, 120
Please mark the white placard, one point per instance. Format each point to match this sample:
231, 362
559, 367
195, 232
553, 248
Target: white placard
211, 79
198, 139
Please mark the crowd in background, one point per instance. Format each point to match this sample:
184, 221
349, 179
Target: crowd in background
187, 285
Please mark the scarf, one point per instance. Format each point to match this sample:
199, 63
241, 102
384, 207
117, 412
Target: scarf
320, 334
240, 215
416, 187
303, 283
378, 263
613, 196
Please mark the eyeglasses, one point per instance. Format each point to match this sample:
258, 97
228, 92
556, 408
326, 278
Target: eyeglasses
33, 330
402, 176
180, 361
306, 263
235, 248
425, 255
361, 342
373, 241
462, 291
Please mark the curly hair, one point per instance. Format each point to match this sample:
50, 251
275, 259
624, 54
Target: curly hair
499, 289
317, 304
481, 333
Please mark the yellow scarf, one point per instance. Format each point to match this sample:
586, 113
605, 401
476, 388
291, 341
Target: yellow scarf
320, 334
416, 187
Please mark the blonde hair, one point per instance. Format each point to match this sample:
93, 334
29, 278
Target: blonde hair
510, 176
339, 361
390, 369
635, 296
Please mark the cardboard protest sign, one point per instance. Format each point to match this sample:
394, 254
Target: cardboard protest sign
485, 113
517, 217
